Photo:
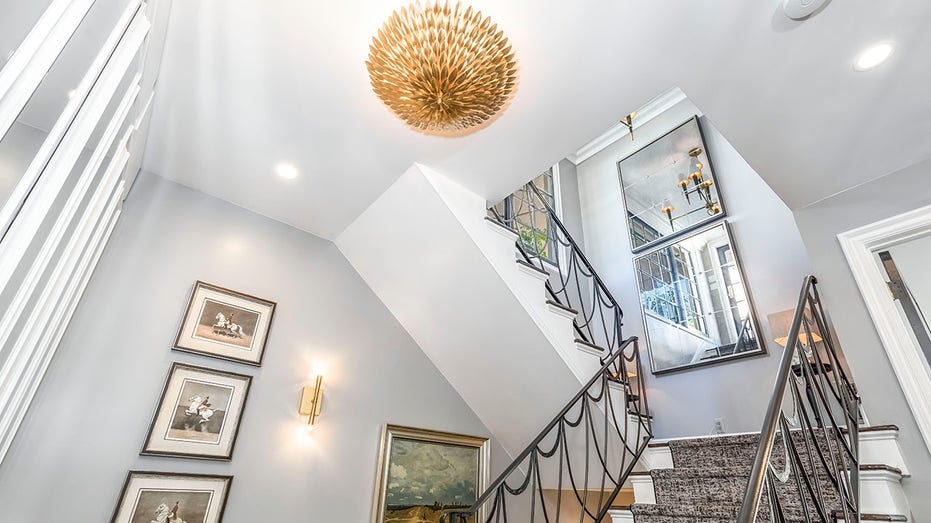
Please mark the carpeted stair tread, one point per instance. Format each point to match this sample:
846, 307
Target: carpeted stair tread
711, 441
704, 472
710, 476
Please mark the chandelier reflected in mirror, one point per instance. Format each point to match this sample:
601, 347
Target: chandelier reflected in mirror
443, 69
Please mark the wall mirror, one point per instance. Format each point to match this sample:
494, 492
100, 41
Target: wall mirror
696, 306
669, 187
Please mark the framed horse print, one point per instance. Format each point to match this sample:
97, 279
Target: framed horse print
198, 414
172, 498
225, 324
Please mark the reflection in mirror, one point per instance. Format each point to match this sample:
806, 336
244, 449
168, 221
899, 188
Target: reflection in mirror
17, 20
669, 186
696, 307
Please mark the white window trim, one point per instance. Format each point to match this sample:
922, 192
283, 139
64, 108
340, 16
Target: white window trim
860, 246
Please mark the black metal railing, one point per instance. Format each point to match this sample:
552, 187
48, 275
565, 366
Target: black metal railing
575, 468
544, 242
813, 419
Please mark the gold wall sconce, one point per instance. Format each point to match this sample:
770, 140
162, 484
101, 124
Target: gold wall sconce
311, 397
628, 121
702, 188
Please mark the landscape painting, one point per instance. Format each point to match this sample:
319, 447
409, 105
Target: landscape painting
225, 324
425, 473
163, 497
199, 413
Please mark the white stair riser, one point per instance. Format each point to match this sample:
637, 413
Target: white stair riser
621, 516
643, 489
881, 493
882, 447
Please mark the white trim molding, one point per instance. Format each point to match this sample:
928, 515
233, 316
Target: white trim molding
69, 134
860, 246
43, 194
651, 110
35, 55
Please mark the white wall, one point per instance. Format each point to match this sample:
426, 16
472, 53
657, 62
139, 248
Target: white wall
774, 258
90, 415
883, 400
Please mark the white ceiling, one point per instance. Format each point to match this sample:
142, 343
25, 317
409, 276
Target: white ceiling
249, 83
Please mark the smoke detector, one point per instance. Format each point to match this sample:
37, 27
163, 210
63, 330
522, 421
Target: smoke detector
801, 9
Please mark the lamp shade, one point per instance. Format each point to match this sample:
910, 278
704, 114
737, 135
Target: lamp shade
781, 322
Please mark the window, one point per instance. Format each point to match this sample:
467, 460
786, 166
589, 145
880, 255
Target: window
525, 211
667, 278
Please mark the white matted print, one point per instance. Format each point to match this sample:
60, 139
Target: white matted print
199, 413
226, 324
157, 497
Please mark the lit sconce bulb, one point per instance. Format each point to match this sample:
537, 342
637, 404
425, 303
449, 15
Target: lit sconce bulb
683, 181
311, 398
667, 206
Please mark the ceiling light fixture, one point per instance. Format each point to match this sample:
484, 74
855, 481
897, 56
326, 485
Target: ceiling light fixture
801, 9
873, 56
286, 171
445, 70
71, 93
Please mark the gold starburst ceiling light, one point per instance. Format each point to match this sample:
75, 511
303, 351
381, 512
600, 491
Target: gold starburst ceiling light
443, 69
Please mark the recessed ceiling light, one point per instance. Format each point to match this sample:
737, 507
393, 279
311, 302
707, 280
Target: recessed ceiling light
286, 171
874, 55
71, 93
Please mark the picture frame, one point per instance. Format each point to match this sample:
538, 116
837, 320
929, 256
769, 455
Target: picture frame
191, 498
457, 484
198, 414
656, 176
226, 324
706, 314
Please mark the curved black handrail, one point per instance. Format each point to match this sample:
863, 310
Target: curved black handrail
816, 478
610, 445
573, 282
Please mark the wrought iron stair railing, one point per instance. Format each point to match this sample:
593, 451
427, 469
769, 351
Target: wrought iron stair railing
545, 242
575, 468
573, 471
807, 464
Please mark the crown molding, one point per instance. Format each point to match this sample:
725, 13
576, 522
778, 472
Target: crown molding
651, 110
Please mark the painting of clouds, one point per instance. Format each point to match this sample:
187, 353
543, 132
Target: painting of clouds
426, 478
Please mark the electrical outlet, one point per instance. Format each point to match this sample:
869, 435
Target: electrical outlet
718, 426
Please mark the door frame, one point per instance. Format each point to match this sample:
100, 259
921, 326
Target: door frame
908, 361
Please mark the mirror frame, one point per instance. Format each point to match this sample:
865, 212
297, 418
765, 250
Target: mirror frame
690, 228
754, 316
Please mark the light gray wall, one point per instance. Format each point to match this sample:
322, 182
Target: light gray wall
90, 416
768, 242
570, 205
883, 401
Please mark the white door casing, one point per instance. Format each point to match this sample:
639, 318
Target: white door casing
860, 246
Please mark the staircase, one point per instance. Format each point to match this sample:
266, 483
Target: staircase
704, 480
506, 305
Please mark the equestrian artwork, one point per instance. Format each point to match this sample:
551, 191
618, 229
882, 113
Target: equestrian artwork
165, 506
227, 324
200, 411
